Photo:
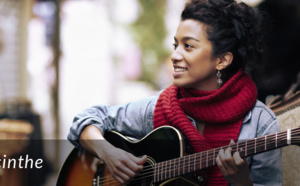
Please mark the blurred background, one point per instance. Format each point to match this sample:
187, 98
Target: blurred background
58, 57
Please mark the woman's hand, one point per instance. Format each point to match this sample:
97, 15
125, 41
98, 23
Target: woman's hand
122, 165
234, 169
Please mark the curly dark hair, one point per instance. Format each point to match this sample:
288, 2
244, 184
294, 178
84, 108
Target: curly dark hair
232, 27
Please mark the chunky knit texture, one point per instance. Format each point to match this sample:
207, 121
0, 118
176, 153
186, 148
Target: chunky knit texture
221, 110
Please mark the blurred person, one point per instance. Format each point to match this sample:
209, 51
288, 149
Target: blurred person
212, 101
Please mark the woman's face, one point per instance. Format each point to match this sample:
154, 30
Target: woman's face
194, 66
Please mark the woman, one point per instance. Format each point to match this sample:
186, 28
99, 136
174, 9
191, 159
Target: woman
212, 100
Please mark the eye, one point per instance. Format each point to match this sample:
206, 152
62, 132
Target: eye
175, 46
188, 46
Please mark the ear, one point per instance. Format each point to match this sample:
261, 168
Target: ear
224, 61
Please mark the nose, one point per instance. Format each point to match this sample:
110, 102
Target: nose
176, 56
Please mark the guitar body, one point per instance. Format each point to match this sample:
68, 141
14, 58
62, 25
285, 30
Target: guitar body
162, 144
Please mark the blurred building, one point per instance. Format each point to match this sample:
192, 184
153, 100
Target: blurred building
60, 57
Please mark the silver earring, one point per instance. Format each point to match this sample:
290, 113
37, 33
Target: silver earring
219, 80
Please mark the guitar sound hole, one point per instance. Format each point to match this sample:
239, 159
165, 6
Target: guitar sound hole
145, 177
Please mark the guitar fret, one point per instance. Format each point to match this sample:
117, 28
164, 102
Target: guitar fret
168, 169
200, 160
206, 158
174, 173
288, 139
276, 139
189, 169
162, 171
178, 167
170, 165
183, 164
246, 148
214, 158
254, 145
165, 171
265, 143
156, 172
194, 162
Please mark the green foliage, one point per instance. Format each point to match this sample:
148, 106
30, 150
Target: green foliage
149, 33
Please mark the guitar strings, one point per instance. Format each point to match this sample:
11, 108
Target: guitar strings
164, 172
142, 177
249, 147
262, 144
149, 172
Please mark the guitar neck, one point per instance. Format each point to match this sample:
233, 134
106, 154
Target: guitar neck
205, 159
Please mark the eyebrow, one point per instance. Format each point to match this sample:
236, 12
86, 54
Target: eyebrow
187, 38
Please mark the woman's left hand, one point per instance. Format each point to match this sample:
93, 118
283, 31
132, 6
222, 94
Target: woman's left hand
234, 169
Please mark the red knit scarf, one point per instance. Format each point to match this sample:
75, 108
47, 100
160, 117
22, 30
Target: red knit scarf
221, 110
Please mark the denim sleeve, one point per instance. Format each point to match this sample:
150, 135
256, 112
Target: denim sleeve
265, 168
132, 119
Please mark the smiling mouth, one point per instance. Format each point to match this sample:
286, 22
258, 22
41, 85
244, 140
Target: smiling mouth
179, 69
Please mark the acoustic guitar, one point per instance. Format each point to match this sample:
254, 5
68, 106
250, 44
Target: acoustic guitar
167, 163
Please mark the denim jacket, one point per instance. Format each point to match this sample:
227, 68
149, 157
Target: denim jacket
136, 119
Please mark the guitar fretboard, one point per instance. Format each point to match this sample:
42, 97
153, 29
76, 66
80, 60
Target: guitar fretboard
190, 163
